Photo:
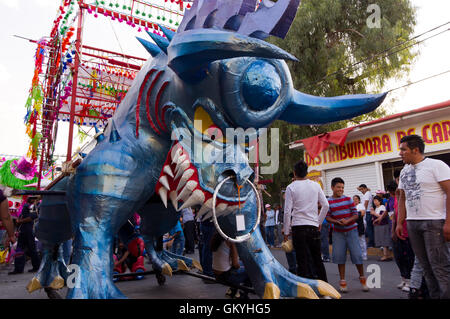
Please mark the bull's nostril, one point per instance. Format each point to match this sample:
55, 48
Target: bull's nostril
226, 174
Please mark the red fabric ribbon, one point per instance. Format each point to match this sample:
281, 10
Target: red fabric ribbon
317, 144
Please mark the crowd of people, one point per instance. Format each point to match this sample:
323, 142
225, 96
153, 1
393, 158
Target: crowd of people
410, 220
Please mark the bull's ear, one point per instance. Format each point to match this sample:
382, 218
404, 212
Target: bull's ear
167, 32
151, 48
308, 109
161, 42
191, 51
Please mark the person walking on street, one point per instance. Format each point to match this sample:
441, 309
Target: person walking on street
270, 225
176, 235
380, 219
361, 221
343, 215
325, 241
26, 244
403, 253
188, 229
301, 217
425, 204
368, 205
278, 225
207, 230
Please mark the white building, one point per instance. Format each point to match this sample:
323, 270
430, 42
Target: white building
370, 153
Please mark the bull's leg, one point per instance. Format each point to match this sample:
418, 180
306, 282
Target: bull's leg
160, 265
269, 278
156, 221
93, 256
53, 229
53, 271
98, 220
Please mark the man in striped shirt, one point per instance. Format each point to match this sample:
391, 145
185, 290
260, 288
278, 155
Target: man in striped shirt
343, 215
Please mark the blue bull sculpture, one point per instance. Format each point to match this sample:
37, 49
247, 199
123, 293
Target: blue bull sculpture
216, 72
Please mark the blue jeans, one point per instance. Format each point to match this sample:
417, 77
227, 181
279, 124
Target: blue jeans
343, 241
270, 235
235, 277
178, 245
207, 231
325, 243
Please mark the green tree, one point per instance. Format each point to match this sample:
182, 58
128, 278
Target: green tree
341, 52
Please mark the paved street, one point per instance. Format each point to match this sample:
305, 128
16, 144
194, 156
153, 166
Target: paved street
181, 286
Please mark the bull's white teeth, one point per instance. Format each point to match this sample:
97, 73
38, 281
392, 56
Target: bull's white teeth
182, 168
181, 159
207, 206
187, 190
220, 209
230, 209
196, 198
168, 171
164, 181
163, 194
175, 154
173, 199
186, 175
209, 215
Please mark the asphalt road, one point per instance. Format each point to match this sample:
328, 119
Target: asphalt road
182, 286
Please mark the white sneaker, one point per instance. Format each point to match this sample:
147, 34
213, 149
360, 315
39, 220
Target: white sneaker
343, 286
406, 286
402, 284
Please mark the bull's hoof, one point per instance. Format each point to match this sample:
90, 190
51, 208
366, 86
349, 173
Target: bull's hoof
271, 291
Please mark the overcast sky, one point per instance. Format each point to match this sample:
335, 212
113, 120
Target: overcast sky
33, 19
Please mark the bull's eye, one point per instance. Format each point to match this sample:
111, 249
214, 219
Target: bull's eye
261, 85
214, 133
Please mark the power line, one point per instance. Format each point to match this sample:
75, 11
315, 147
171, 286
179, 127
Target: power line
378, 56
378, 68
427, 78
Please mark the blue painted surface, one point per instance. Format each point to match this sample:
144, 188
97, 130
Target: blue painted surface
241, 82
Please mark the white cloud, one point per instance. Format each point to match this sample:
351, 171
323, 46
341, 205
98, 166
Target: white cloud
14, 4
4, 74
45, 3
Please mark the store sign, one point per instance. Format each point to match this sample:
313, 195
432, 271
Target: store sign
315, 176
432, 133
382, 146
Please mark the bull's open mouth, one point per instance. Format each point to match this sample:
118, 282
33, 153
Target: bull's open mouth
179, 182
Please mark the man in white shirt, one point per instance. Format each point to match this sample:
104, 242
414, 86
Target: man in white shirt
425, 203
367, 202
270, 225
278, 225
302, 218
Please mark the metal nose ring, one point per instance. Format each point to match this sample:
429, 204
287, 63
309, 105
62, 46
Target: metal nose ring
238, 239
